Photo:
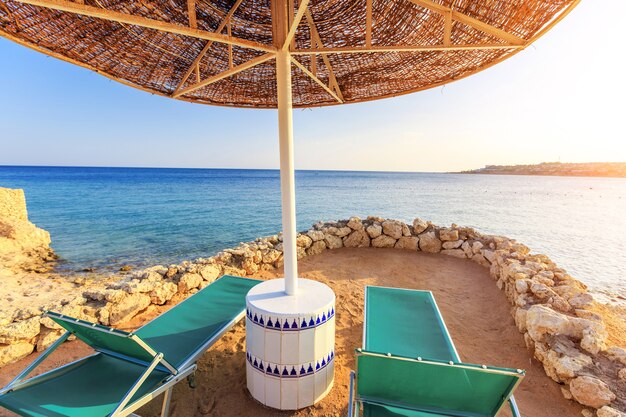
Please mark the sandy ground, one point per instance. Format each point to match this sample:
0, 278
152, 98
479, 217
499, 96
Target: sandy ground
475, 311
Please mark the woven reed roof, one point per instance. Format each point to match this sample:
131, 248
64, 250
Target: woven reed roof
221, 51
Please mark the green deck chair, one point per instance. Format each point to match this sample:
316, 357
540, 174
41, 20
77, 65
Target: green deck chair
409, 367
129, 369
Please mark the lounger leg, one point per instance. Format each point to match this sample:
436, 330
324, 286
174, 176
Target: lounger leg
514, 408
351, 399
167, 398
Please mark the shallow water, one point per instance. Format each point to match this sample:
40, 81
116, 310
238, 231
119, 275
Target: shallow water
107, 217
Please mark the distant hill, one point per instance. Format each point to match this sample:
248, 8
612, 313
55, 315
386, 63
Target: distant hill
585, 169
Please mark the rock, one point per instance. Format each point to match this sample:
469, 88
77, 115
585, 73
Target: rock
559, 304
105, 294
591, 391
303, 241
542, 320
607, 411
343, 231
159, 269
104, 316
189, 281
586, 314
251, 267
14, 352
587, 413
316, 248
617, 354
5, 318
453, 245
480, 259
621, 374
407, 242
355, 223
128, 308
541, 291
357, 239
467, 248
594, 339
383, 241
419, 226
126, 268
489, 255
567, 394
26, 313
270, 256
163, 293
315, 235
135, 286
300, 253
582, 300
24, 330
521, 286
374, 230
428, 242
406, 230
457, 253
172, 271
392, 229
210, 272
520, 319
333, 242
449, 235
477, 247
46, 338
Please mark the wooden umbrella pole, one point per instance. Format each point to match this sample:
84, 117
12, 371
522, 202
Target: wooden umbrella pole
287, 180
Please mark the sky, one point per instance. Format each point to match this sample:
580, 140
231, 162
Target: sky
561, 99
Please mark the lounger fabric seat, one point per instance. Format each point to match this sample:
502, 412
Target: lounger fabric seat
162, 350
183, 329
405, 323
409, 367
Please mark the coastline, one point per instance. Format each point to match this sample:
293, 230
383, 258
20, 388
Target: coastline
549, 306
587, 169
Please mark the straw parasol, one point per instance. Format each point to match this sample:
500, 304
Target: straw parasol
281, 53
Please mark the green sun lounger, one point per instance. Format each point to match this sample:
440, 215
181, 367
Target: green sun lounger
409, 367
129, 369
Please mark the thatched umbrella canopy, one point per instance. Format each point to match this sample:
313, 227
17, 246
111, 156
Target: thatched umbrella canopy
281, 53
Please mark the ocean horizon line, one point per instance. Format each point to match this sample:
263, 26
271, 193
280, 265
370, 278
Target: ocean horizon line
222, 169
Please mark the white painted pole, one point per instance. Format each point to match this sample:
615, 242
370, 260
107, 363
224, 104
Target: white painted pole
287, 177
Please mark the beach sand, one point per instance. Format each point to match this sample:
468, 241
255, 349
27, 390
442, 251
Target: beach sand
475, 311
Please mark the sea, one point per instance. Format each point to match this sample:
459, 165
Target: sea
104, 218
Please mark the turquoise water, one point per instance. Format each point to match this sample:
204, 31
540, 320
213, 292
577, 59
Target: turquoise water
107, 217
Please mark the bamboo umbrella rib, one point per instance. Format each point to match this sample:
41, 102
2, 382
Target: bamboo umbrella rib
196, 63
317, 80
470, 21
404, 48
232, 71
296, 22
315, 34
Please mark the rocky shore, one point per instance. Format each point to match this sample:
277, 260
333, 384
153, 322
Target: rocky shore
554, 311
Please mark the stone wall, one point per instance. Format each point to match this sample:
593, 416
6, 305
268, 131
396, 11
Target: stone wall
13, 205
550, 308
23, 246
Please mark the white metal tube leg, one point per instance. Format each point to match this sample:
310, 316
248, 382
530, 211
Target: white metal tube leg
287, 177
167, 399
